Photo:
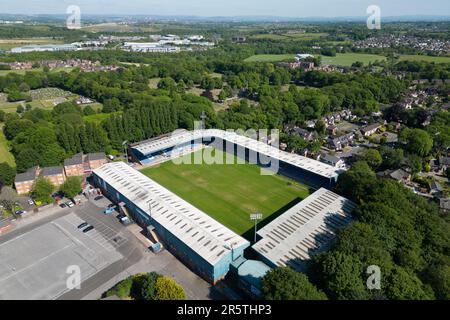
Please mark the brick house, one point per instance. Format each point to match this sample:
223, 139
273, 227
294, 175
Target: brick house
74, 166
54, 174
24, 181
95, 160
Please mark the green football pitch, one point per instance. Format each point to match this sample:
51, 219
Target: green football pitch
229, 192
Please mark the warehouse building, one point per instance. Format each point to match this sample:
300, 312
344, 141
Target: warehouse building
294, 166
202, 243
304, 230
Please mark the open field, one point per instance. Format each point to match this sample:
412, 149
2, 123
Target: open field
411, 57
290, 36
270, 57
5, 155
99, 117
347, 59
229, 192
5, 72
7, 44
115, 27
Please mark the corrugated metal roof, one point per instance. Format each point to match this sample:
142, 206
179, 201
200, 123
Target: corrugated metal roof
305, 229
181, 137
210, 239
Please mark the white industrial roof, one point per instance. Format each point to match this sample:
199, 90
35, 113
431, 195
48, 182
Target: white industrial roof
306, 228
210, 239
180, 137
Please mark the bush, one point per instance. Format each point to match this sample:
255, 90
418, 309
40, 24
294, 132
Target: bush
168, 289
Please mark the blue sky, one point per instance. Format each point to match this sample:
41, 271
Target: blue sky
282, 8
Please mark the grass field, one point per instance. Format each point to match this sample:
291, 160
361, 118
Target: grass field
7, 44
270, 57
290, 36
229, 193
5, 155
347, 59
341, 59
424, 58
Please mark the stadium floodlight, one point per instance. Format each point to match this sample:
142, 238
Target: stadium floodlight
125, 147
255, 217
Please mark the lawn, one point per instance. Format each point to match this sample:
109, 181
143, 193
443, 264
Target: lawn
99, 117
299, 36
417, 57
5, 155
347, 59
229, 192
270, 57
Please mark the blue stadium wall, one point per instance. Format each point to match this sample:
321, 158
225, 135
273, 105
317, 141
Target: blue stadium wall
295, 173
211, 273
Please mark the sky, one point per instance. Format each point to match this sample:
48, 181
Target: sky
281, 8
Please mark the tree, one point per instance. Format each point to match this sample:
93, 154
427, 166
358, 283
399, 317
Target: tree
8, 198
320, 127
372, 157
87, 111
7, 174
71, 187
342, 276
286, 284
167, 289
416, 141
392, 158
42, 190
356, 182
403, 285
148, 286
26, 159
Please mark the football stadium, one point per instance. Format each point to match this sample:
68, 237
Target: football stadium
201, 211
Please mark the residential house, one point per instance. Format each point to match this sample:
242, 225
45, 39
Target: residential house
24, 181
332, 160
332, 130
305, 134
370, 129
95, 160
338, 143
400, 175
444, 204
444, 163
436, 188
74, 166
54, 174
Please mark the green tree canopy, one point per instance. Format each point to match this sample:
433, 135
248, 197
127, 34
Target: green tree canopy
287, 284
71, 187
42, 190
167, 289
7, 174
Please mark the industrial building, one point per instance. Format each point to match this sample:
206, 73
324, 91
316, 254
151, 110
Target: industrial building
44, 47
306, 229
202, 243
296, 167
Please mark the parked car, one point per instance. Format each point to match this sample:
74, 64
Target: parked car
30, 202
88, 229
70, 204
62, 205
98, 198
81, 226
20, 212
